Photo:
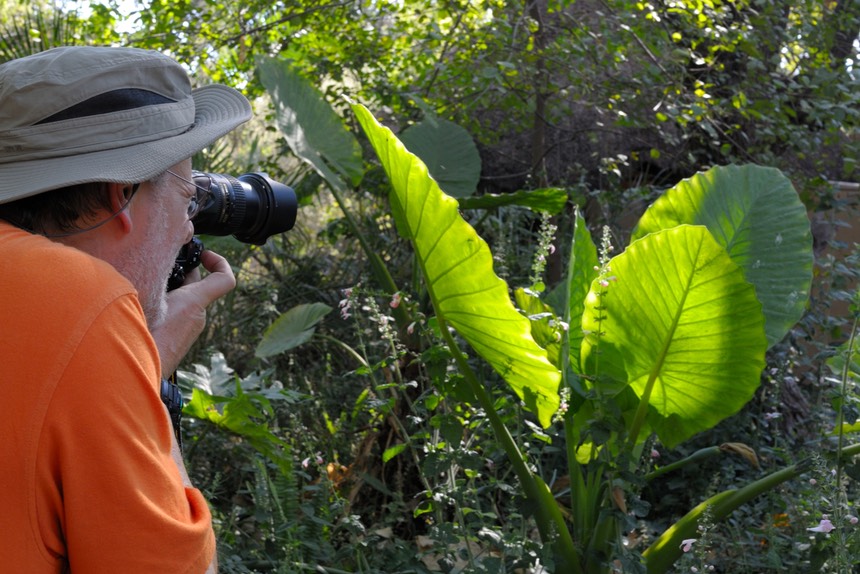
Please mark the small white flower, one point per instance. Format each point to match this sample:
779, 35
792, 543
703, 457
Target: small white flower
687, 544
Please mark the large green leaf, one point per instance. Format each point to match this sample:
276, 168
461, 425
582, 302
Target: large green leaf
458, 268
449, 153
681, 326
314, 132
755, 213
291, 329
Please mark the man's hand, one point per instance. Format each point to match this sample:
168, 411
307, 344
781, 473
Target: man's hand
186, 309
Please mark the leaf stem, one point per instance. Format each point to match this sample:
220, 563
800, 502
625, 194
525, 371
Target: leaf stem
550, 521
840, 419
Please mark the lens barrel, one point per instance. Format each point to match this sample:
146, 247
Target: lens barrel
251, 207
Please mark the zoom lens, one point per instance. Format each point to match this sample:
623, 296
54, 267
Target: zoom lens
251, 207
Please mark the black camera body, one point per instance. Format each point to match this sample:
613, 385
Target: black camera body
251, 207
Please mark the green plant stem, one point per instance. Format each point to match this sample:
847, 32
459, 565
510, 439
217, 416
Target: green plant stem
840, 417
697, 456
350, 351
550, 521
390, 415
666, 549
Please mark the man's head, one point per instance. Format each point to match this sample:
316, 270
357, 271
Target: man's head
88, 134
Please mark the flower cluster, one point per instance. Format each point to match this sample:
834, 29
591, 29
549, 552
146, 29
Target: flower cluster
545, 248
345, 304
564, 404
604, 270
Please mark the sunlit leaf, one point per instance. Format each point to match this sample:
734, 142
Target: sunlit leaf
681, 326
393, 451
544, 323
582, 270
756, 215
458, 268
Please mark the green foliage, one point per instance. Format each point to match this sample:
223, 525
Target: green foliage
43, 28
311, 128
680, 325
704, 274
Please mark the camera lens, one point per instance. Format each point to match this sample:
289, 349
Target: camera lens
251, 207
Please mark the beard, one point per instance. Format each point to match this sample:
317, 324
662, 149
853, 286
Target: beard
149, 268
153, 293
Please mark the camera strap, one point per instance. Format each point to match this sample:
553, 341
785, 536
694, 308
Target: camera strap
171, 396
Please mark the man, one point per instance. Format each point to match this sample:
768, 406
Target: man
95, 202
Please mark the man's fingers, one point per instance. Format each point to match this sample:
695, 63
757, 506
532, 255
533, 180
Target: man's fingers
219, 281
214, 263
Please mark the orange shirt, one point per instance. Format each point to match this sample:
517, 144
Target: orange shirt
87, 481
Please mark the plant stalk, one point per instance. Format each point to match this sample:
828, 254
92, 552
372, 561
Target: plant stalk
550, 521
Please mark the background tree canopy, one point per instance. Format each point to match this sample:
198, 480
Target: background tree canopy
602, 92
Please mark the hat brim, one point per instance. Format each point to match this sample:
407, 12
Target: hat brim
218, 110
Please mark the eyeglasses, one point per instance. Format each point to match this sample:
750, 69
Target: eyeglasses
199, 200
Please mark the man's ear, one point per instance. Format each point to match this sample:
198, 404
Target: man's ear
120, 194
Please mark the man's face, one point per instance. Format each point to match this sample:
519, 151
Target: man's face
160, 227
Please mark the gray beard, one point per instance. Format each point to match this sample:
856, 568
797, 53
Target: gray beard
156, 311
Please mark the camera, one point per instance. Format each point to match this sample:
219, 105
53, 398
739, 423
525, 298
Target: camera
251, 207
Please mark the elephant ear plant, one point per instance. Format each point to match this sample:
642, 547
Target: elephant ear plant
671, 333
664, 340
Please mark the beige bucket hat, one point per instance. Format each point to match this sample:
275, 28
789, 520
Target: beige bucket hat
86, 113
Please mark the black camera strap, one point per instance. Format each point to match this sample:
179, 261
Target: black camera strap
171, 396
